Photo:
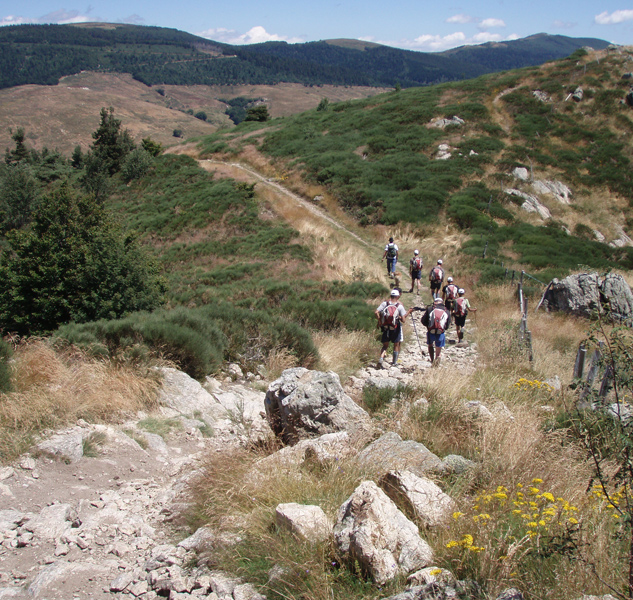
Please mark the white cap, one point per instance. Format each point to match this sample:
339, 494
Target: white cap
439, 261
449, 279
461, 291
416, 252
437, 301
395, 292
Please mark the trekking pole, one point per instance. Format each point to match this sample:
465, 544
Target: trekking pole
416, 334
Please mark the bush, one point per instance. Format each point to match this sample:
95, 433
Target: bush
201, 115
182, 335
178, 133
5, 370
136, 164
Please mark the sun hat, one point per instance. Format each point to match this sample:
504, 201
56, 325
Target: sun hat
416, 252
461, 291
439, 261
437, 301
449, 279
395, 292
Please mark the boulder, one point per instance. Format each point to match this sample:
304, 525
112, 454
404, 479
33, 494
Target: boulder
391, 452
542, 96
576, 294
617, 297
530, 203
418, 496
372, 531
521, 173
66, 446
303, 403
556, 188
584, 294
307, 522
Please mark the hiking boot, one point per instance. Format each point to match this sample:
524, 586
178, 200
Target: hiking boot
436, 362
411, 291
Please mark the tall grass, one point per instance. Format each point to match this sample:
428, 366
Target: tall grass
54, 389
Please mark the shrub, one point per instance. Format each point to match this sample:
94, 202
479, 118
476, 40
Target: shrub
136, 164
201, 115
182, 335
178, 133
6, 353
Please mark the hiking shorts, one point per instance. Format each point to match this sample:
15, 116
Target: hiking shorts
392, 335
416, 274
435, 285
391, 265
460, 321
439, 339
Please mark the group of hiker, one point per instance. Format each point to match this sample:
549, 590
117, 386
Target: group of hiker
448, 304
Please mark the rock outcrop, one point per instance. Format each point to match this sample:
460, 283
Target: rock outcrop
371, 530
586, 293
303, 403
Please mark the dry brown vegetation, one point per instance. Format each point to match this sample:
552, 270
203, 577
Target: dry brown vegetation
53, 389
65, 115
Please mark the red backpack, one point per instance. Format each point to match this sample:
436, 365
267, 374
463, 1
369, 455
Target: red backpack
389, 316
436, 274
460, 307
438, 318
451, 291
417, 263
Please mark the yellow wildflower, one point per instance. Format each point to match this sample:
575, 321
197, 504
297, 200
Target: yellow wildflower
537, 480
452, 544
457, 514
548, 496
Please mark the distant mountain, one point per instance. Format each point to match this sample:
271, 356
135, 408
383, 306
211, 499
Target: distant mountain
42, 54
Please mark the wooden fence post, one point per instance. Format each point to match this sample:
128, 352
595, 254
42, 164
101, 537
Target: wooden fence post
579, 366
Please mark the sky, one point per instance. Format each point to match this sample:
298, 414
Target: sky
409, 24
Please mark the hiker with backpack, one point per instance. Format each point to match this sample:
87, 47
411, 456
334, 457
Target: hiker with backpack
437, 320
449, 294
391, 254
436, 278
415, 268
391, 315
460, 311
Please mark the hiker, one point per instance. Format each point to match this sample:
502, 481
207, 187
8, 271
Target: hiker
437, 320
391, 315
460, 311
415, 268
436, 277
391, 254
449, 293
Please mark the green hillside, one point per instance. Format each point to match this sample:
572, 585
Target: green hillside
42, 54
380, 159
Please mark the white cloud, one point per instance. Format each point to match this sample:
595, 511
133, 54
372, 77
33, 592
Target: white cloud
14, 20
485, 36
461, 18
437, 42
255, 35
614, 18
488, 23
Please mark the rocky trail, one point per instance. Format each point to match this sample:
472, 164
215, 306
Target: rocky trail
87, 513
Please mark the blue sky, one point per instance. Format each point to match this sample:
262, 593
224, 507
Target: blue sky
412, 24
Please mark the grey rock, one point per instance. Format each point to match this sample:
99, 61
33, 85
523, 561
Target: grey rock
431, 575
235, 371
510, 594
48, 579
617, 297
11, 592
10, 519
454, 463
521, 173
246, 591
555, 188
390, 452
371, 530
584, 294
6, 473
382, 383
542, 96
530, 204
418, 496
66, 446
578, 95
307, 522
202, 538
52, 522
443, 123
576, 294
304, 403
122, 581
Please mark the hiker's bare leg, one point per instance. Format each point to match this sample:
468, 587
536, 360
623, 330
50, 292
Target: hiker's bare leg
431, 352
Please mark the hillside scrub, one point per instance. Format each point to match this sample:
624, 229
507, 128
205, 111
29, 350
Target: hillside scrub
377, 158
